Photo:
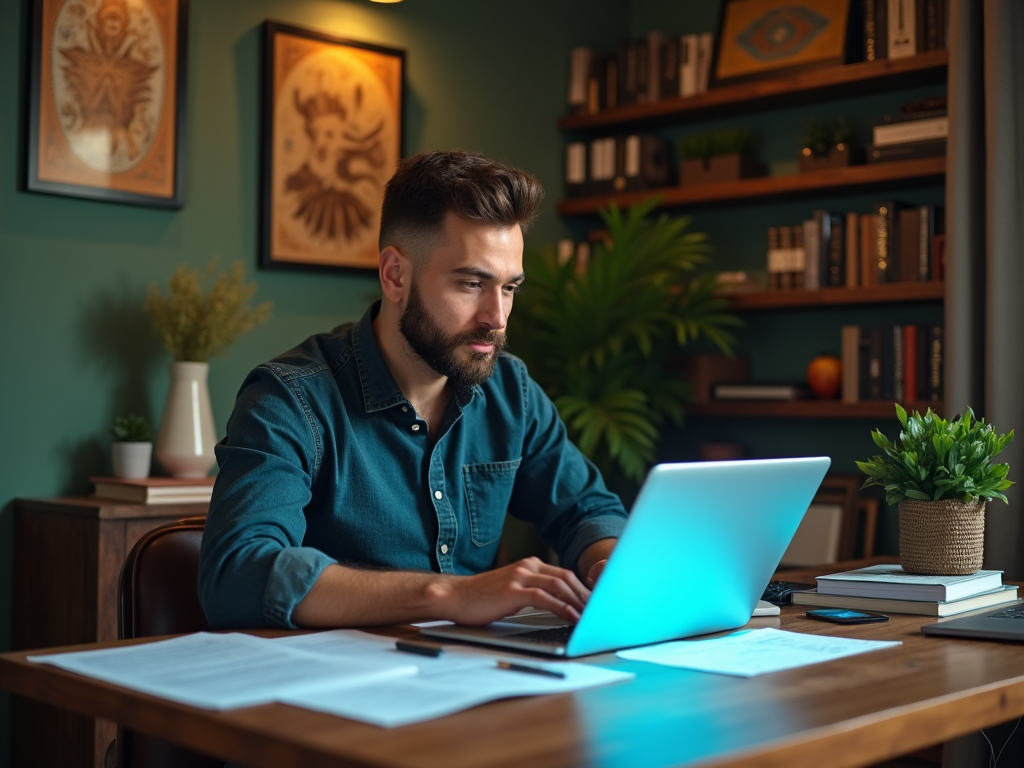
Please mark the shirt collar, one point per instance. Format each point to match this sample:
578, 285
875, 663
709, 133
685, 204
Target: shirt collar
380, 390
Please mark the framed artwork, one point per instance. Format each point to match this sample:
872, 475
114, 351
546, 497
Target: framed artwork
759, 39
106, 106
332, 137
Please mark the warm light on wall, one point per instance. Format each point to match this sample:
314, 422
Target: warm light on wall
385, 1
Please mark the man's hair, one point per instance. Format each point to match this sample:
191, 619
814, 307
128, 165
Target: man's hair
429, 186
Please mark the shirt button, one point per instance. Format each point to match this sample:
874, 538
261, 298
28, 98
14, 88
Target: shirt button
405, 409
415, 427
438, 495
444, 549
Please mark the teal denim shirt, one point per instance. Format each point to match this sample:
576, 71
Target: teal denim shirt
325, 461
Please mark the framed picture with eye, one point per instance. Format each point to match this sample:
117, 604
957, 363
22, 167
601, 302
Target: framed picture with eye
762, 39
106, 104
332, 137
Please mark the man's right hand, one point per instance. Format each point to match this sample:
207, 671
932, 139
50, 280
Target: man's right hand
487, 597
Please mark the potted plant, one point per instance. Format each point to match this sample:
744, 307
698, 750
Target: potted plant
132, 449
602, 341
941, 474
827, 144
724, 155
196, 323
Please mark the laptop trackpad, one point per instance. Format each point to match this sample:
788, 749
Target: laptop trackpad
524, 622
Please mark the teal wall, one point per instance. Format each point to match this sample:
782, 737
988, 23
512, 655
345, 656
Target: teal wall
73, 273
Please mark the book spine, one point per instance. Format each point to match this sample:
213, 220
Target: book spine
774, 260
910, 385
798, 257
632, 148
874, 370
812, 262
705, 46
627, 73
868, 249
850, 360
902, 28
643, 73
926, 231
785, 246
654, 161
939, 257
931, 25
575, 168
852, 229
653, 66
670, 67
611, 82
910, 238
909, 131
595, 86
935, 359
899, 393
870, 51
914, 151
886, 358
836, 252
923, 364
824, 245
882, 29
885, 239
688, 66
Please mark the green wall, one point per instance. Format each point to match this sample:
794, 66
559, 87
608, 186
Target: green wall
481, 76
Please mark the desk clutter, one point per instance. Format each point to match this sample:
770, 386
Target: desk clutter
154, 490
353, 674
887, 588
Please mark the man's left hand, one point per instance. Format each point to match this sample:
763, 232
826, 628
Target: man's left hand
595, 572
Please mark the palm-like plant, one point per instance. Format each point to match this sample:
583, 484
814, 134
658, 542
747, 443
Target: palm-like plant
599, 340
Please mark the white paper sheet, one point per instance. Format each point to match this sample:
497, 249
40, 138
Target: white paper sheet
753, 652
458, 679
223, 671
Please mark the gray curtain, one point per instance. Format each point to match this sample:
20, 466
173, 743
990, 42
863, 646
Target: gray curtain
984, 305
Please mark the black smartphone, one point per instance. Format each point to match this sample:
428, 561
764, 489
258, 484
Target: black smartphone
846, 616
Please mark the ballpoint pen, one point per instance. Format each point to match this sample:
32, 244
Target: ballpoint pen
513, 667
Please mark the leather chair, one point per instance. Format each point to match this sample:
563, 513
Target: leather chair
157, 596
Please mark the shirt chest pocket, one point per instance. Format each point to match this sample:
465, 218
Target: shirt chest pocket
488, 491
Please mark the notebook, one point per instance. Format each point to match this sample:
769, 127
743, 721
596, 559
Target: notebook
701, 542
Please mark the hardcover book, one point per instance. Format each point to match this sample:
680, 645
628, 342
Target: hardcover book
892, 581
154, 490
919, 607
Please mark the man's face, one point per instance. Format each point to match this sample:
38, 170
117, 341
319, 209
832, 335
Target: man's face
459, 301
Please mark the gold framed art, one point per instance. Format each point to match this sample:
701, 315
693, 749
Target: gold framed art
332, 137
760, 39
106, 106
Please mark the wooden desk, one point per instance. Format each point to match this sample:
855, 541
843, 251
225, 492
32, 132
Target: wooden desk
67, 559
845, 713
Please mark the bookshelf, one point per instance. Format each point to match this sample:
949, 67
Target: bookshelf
805, 409
883, 293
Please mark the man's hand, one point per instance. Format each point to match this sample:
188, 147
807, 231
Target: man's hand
487, 597
595, 573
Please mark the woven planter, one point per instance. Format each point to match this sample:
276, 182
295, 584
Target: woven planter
944, 538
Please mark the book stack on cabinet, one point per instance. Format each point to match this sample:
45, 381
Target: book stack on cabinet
889, 589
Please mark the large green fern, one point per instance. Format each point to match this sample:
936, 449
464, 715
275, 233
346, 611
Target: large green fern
599, 340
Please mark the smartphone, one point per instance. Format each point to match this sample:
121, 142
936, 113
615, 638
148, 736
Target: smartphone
846, 616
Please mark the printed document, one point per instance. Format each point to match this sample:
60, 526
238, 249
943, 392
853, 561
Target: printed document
753, 652
223, 671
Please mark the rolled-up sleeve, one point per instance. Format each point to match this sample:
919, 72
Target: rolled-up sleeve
557, 488
253, 568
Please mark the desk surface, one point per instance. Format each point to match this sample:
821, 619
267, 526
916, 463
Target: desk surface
855, 711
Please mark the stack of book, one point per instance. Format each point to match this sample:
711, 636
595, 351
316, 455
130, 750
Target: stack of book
895, 243
909, 136
888, 589
154, 490
901, 363
612, 164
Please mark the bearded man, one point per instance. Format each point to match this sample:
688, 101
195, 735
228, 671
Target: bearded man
366, 474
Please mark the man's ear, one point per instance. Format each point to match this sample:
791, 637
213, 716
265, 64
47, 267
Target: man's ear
395, 274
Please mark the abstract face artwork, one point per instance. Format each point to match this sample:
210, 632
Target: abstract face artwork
335, 141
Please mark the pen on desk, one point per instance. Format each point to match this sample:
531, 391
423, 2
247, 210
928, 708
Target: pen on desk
512, 667
423, 649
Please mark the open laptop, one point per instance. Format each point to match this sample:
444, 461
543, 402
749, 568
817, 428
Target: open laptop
700, 544
1003, 623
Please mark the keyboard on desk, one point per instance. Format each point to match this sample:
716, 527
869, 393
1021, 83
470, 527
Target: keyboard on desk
555, 635
1013, 612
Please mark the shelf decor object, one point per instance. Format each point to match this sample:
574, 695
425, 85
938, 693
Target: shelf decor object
941, 474
332, 137
759, 39
132, 449
195, 323
106, 96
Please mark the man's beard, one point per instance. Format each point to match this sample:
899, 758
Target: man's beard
441, 352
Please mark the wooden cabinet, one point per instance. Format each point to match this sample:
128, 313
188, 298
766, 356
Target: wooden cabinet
67, 559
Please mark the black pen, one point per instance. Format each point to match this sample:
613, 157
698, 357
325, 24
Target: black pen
512, 667
423, 649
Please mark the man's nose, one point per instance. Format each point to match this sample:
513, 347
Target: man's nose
494, 309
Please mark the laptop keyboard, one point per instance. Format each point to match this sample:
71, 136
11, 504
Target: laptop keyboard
1016, 612
554, 635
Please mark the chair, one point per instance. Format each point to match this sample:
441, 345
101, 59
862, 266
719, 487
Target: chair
157, 596
839, 525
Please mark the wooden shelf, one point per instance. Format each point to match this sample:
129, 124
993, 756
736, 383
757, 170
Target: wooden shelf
886, 293
862, 177
833, 83
804, 409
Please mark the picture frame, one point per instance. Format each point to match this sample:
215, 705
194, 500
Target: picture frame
764, 39
333, 131
106, 100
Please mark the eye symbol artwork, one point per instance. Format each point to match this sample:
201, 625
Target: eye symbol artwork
781, 33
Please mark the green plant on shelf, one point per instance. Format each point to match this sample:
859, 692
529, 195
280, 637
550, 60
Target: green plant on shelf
820, 135
600, 340
935, 459
131, 429
733, 141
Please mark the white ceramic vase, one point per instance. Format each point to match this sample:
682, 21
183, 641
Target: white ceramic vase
131, 460
184, 446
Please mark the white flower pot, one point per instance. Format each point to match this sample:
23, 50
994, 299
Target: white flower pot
131, 460
184, 446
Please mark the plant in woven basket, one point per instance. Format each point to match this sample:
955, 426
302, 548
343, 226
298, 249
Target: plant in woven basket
941, 473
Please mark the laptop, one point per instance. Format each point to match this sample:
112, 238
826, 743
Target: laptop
1003, 623
701, 542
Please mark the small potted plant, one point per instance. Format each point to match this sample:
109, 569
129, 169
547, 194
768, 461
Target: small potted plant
827, 144
132, 448
725, 155
941, 474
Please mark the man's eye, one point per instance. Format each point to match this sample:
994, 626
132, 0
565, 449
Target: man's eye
513, 289
472, 285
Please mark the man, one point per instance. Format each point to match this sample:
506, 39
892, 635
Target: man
366, 474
